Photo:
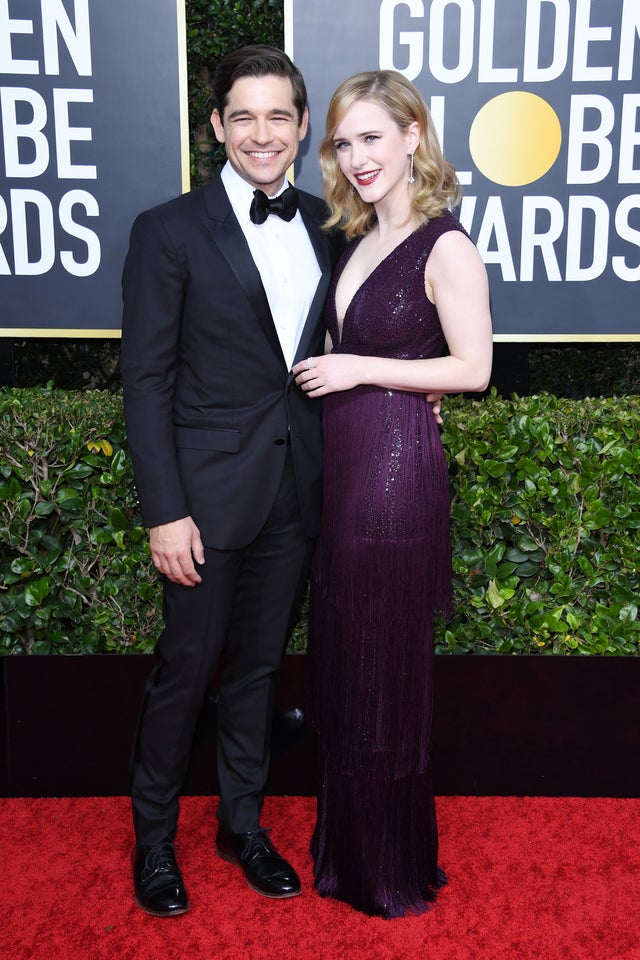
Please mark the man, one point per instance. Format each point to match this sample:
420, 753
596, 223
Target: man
220, 300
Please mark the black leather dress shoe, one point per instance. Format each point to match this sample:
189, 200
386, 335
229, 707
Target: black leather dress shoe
159, 887
266, 871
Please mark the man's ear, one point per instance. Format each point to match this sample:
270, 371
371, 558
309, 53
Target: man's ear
218, 126
304, 123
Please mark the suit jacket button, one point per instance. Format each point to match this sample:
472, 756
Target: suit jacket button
280, 441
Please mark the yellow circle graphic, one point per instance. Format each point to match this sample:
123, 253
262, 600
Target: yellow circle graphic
515, 138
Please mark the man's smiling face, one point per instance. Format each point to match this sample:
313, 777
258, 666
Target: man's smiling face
261, 130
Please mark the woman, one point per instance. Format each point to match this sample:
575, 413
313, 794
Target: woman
408, 315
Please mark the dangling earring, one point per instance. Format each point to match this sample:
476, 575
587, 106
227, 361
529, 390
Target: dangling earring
412, 179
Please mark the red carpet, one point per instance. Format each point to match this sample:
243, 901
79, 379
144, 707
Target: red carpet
535, 878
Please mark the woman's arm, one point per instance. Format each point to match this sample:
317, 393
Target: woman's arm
456, 281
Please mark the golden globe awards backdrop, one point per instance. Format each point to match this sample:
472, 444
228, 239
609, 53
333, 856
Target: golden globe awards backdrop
537, 105
93, 114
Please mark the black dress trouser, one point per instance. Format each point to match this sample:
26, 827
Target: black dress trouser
243, 606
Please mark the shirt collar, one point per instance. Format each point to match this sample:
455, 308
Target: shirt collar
240, 192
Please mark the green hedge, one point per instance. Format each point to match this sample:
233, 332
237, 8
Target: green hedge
545, 510
75, 572
545, 518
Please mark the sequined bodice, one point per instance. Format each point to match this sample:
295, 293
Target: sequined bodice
390, 315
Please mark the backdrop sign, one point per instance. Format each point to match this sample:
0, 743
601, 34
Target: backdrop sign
93, 120
537, 105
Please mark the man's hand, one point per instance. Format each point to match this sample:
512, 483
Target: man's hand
435, 399
174, 547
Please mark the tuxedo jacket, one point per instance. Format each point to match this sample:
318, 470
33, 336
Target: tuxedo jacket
210, 405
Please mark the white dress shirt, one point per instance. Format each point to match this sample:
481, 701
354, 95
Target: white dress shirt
284, 256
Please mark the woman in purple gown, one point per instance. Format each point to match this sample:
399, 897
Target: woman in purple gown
407, 316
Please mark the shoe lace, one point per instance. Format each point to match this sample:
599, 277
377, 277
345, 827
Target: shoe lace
257, 842
161, 859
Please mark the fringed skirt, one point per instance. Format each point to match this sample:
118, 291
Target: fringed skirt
375, 845
381, 570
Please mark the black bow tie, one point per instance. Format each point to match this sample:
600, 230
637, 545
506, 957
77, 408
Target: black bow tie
284, 206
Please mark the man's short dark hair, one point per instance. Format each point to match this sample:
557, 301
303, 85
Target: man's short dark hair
257, 60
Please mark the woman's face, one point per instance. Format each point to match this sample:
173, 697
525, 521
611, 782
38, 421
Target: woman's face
372, 151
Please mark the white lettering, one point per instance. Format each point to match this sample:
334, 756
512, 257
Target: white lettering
494, 223
464, 37
627, 232
4, 220
23, 265
14, 132
66, 133
584, 35
78, 41
467, 210
436, 109
412, 39
544, 241
629, 32
575, 230
7, 27
90, 265
487, 73
629, 139
598, 138
532, 72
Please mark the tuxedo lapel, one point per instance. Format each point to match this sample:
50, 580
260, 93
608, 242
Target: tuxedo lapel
321, 249
317, 237
227, 234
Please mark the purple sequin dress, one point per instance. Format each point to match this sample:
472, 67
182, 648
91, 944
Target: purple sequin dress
382, 568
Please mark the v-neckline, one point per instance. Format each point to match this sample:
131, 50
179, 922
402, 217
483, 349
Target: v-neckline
340, 324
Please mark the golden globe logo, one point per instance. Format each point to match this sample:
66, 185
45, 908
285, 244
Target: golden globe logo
515, 138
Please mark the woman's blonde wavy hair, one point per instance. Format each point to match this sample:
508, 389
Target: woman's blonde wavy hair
436, 184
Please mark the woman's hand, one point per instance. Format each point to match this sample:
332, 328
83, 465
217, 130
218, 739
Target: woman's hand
330, 373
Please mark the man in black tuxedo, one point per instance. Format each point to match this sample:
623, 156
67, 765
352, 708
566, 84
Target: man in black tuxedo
221, 298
